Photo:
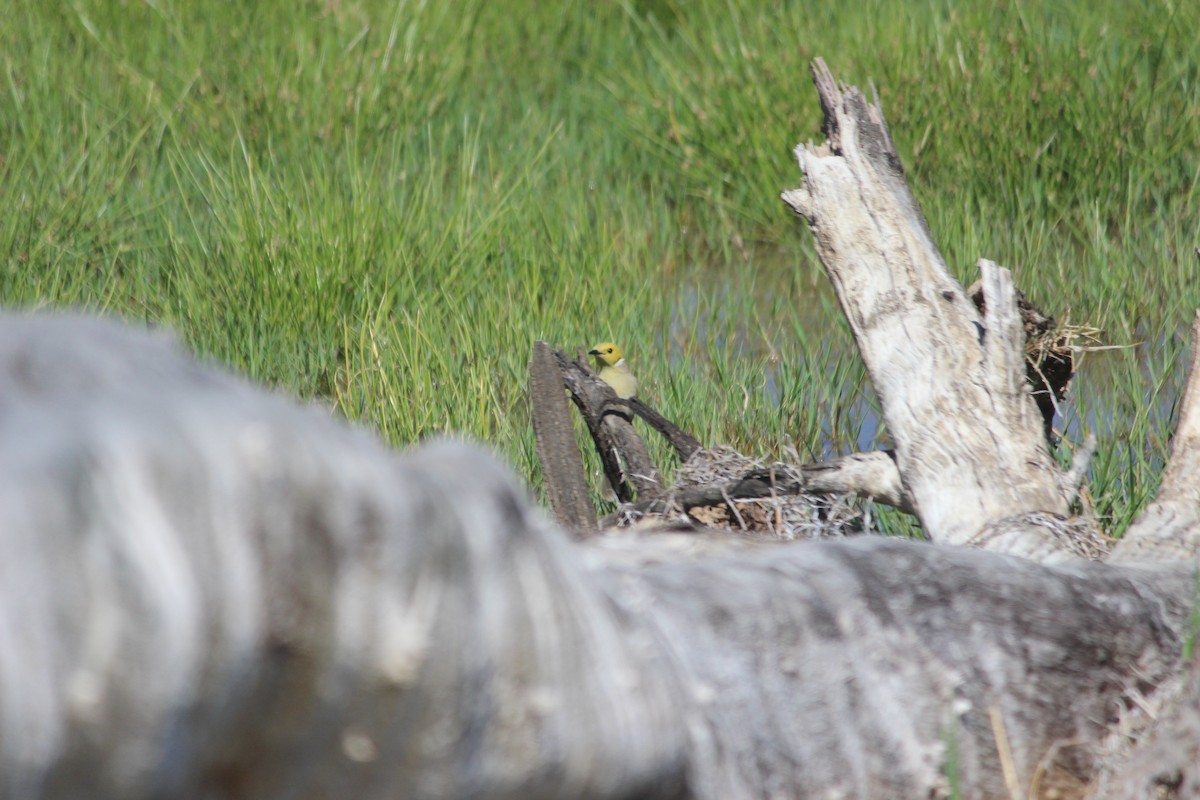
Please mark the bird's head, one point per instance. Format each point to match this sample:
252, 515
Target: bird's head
606, 353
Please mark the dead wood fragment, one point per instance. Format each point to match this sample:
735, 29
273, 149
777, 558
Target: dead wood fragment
724, 490
683, 443
557, 450
1071, 537
968, 436
1049, 358
870, 475
596, 400
1154, 750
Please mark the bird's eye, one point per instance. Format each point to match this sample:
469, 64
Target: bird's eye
609, 350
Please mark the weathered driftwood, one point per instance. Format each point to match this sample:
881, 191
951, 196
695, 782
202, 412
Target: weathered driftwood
1166, 763
951, 381
872, 475
208, 591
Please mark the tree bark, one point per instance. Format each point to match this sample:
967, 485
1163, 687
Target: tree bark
215, 593
610, 421
558, 453
951, 382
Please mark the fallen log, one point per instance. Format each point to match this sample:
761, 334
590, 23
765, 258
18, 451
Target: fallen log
214, 592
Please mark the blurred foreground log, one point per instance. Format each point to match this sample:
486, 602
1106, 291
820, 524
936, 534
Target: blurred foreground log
210, 592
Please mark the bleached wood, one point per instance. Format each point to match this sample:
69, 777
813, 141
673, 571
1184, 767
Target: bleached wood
208, 591
951, 383
1165, 762
872, 475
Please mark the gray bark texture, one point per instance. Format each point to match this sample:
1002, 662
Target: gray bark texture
1166, 764
554, 436
968, 433
627, 463
209, 591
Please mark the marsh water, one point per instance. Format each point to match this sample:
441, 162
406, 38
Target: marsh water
781, 307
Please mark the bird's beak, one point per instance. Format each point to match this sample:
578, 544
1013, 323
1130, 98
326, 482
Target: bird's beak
593, 352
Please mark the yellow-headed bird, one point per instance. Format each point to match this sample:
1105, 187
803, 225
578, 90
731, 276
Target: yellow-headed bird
610, 363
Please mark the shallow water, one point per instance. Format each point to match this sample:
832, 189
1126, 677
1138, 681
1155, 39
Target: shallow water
780, 303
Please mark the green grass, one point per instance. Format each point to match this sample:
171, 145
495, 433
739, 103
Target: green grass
382, 204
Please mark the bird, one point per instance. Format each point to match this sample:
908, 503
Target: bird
610, 361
